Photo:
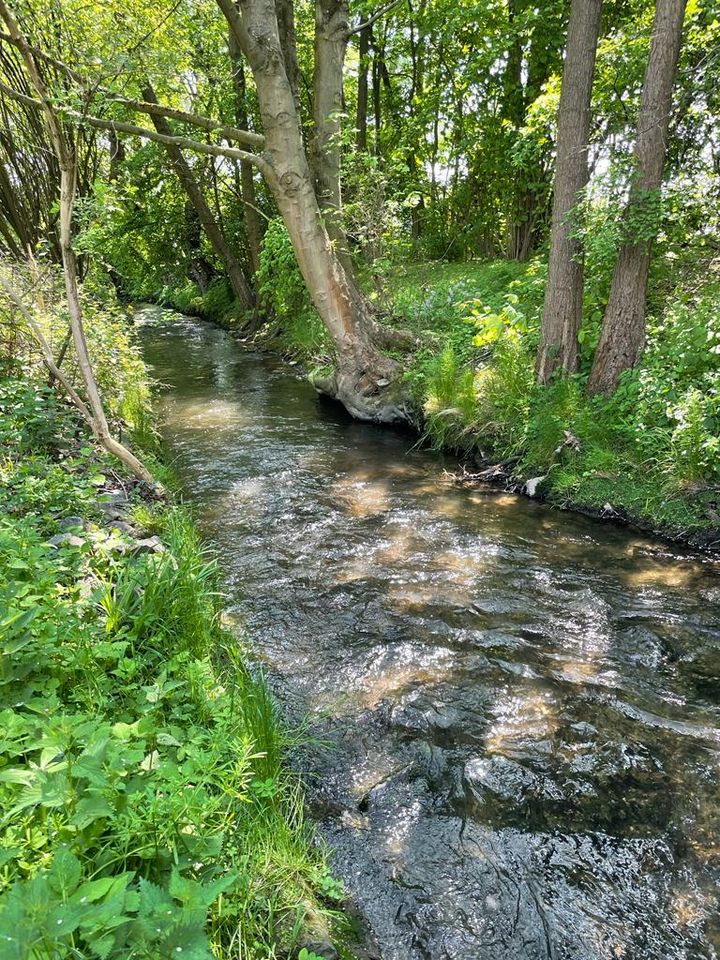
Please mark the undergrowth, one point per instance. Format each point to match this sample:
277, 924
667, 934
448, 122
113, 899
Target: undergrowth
651, 452
146, 809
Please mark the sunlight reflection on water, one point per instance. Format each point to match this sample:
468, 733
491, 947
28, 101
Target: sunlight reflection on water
515, 712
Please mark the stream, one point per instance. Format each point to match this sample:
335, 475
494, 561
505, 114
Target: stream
515, 711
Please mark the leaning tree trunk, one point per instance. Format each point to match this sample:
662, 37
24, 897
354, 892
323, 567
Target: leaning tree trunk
562, 314
623, 331
363, 373
234, 271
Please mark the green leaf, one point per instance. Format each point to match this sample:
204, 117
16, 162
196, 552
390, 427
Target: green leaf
65, 872
109, 887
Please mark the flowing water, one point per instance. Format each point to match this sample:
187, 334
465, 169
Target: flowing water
518, 710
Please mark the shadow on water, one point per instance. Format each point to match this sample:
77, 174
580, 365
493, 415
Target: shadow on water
518, 711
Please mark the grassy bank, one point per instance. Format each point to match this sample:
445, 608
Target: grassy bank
147, 811
650, 454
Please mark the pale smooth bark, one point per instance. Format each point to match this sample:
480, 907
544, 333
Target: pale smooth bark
362, 372
623, 331
332, 30
562, 314
285, 13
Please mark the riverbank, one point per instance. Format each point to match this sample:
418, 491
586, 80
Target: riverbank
648, 457
147, 805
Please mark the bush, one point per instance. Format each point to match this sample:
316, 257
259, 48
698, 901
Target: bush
638, 450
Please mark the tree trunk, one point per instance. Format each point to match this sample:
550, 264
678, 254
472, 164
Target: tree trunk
530, 63
253, 222
362, 89
99, 421
623, 331
285, 13
514, 114
200, 270
332, 29
117, 159
362, 372
562, 314
213, 232
377, 69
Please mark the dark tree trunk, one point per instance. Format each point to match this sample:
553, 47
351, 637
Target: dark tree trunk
378, 66
362, 88
562, 314
514, 112
253, 221
623, 331
117, 155
529, 65
200, 270
117, 158
213, 232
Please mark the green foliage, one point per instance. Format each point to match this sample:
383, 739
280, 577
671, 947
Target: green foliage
478, 322
146, 808
283, 291
114, 353
450, 404
639, 450
503, 386
373, 217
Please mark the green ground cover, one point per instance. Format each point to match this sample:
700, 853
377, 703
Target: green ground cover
652, 451
146, 808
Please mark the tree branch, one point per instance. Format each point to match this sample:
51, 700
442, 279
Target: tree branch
48, 360
376, 16
195, 119
235, 22
142, 106
120, 126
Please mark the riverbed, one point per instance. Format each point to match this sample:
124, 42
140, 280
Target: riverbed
513, 713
